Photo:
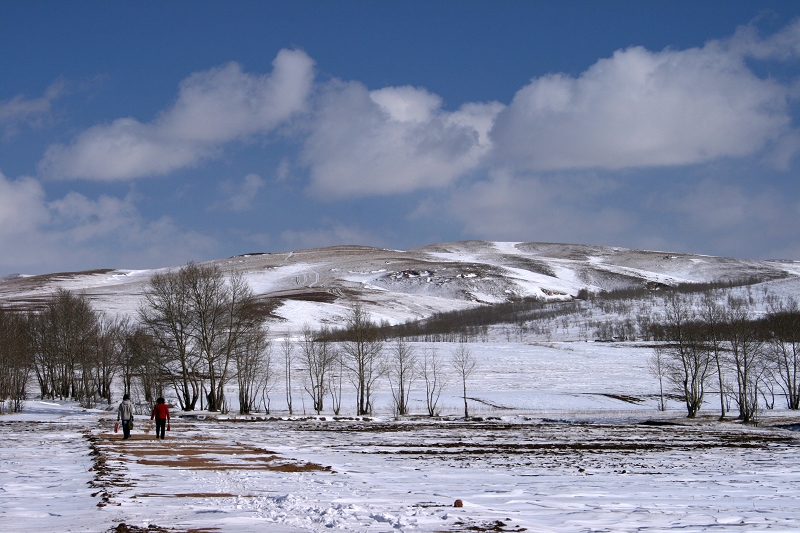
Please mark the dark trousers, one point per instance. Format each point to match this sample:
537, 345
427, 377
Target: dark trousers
161, 426
126, 429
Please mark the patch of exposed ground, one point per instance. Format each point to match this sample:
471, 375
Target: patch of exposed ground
624, 398
486, 527
189, 454
125, 528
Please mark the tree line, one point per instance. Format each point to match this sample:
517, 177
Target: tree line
198, 330
750, 359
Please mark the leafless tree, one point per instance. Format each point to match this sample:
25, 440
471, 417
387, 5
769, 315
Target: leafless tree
335, 380
463, 363
241, 331
745, 344
688, 358
208, 295
143, 364
63, 341
783, 325
168, 315
403, 369
268, 379
287, 348
15, 358
318, 357
657, 365
433, 374
200, 319
254, 370
713, 317
107, 354
362, 351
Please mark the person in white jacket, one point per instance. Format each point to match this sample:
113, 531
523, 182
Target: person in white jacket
125, 415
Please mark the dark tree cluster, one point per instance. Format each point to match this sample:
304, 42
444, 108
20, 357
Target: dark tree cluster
746, 356
16, 359
202, 327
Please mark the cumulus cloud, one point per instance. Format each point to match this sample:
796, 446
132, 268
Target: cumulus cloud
391, 140
637, 108
76, 232
642, 108
239, 196
212, 108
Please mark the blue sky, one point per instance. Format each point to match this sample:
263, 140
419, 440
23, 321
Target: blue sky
147, 134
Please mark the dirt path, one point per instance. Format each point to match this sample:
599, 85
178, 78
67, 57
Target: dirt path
194, 468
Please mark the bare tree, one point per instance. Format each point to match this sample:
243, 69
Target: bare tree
403, 369
63, 341
268, 379
242, 331
15, 358
746, 344
200, 319
142, 359
362, 350
167, 313
688, 358
318, 356
713, 317
287, 347
335, 380
435, 378
657, 365
254, 373
207, 294
783, 325
463, 363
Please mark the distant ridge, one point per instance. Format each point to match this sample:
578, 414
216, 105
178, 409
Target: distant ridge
317, 285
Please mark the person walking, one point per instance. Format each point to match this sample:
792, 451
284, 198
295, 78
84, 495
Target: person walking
161, 415
125, 415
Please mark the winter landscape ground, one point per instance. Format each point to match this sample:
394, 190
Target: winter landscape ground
564, 434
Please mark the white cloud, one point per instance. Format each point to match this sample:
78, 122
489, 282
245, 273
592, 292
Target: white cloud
76, 232
391, 140
22, 206
239, 195
28, 110
731, 220
212, 108
332, 234
782, 45
555, 209
642, 108
710, 216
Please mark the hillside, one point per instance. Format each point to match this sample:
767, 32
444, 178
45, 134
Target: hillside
317, 285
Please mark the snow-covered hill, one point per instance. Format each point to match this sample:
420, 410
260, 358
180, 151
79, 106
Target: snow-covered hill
318, 285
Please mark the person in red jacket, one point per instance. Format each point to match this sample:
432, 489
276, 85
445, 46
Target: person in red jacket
161, 415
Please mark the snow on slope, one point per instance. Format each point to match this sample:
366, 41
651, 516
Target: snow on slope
318, 285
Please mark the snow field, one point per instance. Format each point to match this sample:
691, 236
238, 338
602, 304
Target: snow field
569, 441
